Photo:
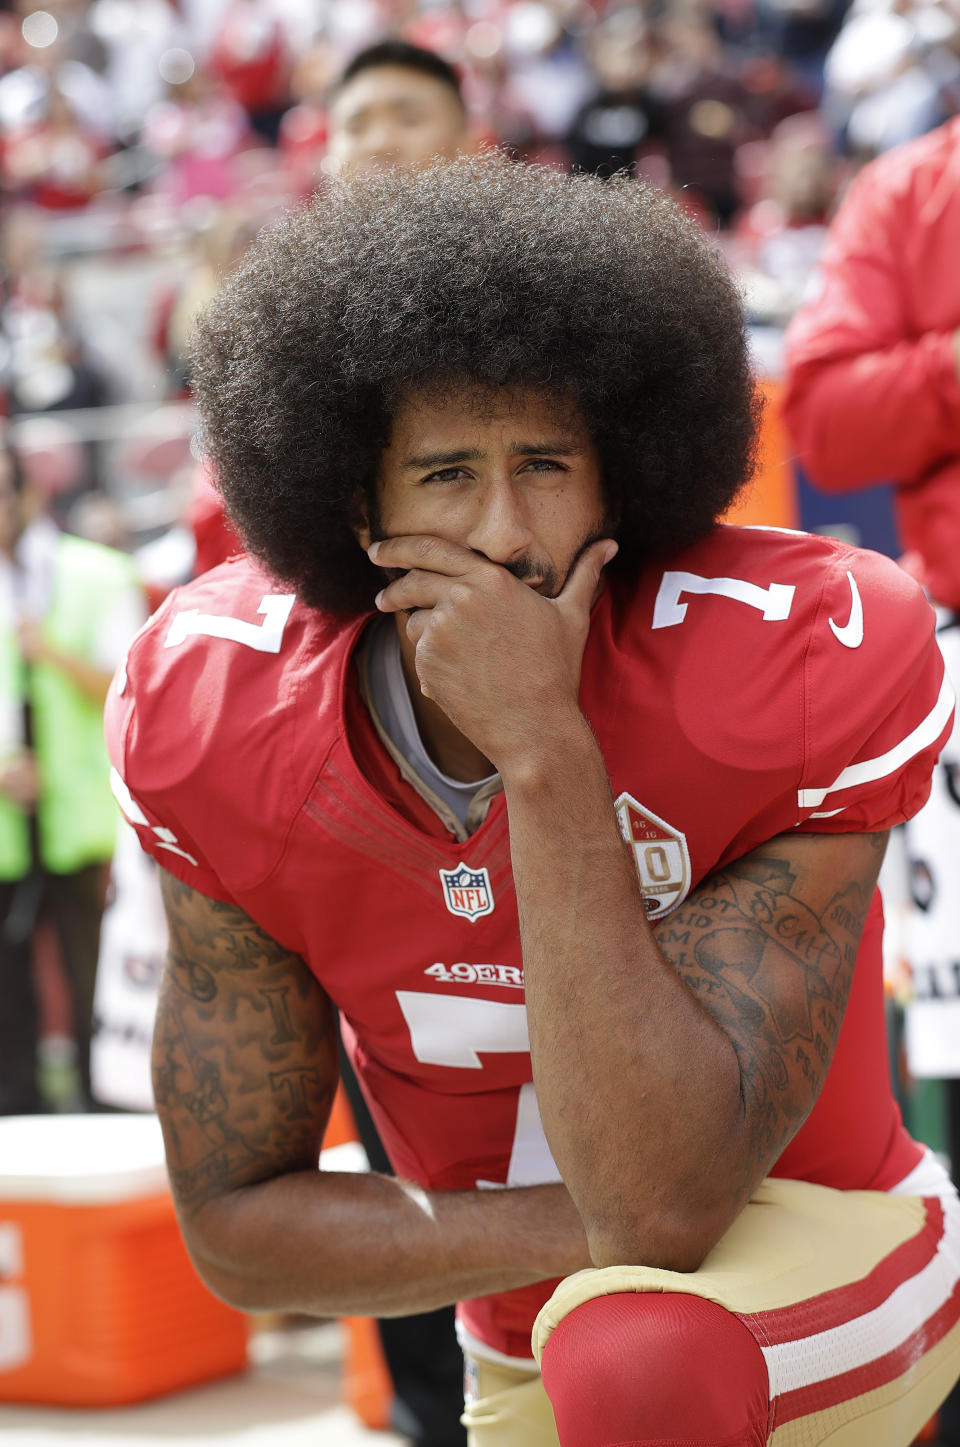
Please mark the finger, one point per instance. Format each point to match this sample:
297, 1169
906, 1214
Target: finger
421, 550
580, 589
416, 589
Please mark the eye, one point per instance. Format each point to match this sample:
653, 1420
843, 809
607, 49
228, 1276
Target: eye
544, 464
444, 475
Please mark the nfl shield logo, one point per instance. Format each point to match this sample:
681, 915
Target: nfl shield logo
467, 891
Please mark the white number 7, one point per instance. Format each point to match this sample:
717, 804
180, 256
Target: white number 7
265, 637
774, 602
452, 1030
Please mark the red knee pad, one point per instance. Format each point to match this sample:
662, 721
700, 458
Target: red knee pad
649, 1368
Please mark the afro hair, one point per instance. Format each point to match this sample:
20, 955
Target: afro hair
477, 272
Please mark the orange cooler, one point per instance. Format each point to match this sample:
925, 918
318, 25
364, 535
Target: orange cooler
99, 1303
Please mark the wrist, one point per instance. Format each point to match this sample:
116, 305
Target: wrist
561, 747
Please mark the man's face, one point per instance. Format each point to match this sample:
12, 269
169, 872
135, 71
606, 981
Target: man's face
512, 476
391, 116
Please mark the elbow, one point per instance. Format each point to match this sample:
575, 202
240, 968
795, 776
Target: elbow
229, 1284
223, 1265
675, 1242
619, 1248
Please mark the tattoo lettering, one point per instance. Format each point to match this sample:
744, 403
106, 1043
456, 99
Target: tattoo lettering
244, 1052
770, 953
276, 998
294, 1085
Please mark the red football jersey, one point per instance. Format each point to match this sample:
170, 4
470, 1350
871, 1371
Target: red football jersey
760, 682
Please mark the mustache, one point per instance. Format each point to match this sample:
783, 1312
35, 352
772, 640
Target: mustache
549, 579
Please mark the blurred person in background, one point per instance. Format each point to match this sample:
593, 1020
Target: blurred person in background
68, 609
194, 136
49, 363
706, 114
873, 384
395, 104
546, 74
893, 73
54, 47
779, 238
622, 123
252, 56
220, 242
873, 394
53, 159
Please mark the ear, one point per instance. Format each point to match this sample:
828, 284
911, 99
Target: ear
360, 524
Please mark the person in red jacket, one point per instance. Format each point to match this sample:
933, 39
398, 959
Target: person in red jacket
873, 362
873, 394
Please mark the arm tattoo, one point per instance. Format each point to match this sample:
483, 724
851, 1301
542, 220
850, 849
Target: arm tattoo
768, 945
244, 1053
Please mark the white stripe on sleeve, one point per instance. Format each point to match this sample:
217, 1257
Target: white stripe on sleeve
879, 768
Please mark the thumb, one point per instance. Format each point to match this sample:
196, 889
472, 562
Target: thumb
580, 590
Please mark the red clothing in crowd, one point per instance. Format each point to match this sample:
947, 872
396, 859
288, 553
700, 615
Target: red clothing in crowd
872, 390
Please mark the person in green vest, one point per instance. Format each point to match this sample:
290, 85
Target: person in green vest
68, 609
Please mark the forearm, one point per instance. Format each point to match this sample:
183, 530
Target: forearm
882, 414
649, 1148
329, 1244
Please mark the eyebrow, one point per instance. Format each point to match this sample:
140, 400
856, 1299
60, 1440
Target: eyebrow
473, 454
403, 103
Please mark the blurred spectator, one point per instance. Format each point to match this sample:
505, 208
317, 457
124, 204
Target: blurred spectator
196, 133
873, 387
706, 114
219, 245
55, 48
800, 33
395, 104
68, 609
622, 121
53, 160
141, 39
45, 361
892, 73
251, 55
546, 79
778, 240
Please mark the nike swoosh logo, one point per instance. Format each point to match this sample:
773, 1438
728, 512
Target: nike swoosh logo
851, 634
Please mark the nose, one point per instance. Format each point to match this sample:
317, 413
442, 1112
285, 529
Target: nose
501, 527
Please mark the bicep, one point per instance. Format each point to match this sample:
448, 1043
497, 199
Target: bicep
244, 1052
768, 945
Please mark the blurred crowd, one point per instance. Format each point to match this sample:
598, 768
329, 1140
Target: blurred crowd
125, 123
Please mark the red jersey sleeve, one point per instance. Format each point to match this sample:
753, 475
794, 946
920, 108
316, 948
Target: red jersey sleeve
877, 706
155, 811
203, 725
